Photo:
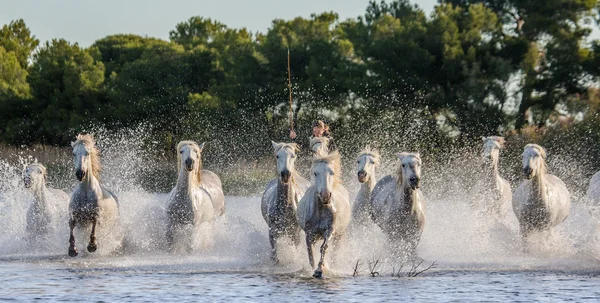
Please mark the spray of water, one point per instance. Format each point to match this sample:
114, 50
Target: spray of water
455, 236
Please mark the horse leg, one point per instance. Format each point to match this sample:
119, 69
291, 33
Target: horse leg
72, 248
170, 237
326, 238
309, 248
93, 245
524, 230
273, 241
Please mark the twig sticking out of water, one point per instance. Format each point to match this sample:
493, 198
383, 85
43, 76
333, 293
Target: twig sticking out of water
397, 273
374, 266
414, 270
357, 268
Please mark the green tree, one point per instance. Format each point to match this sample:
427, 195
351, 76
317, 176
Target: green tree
13, 78
16, 37
66, 82
528, 25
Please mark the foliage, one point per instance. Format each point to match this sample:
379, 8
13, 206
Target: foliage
471, 68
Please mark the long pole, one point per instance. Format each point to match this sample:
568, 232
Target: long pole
291, 113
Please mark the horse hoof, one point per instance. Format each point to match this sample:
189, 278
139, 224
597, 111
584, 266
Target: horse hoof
92, 247
73, 252
318, 274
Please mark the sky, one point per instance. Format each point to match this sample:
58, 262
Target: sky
85, 21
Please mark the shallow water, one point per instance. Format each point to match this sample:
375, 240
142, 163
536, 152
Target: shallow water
476, 260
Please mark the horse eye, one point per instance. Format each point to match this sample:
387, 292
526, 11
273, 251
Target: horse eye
372, 162
403, 165
277, 157
293, 156
181, 152
315, 174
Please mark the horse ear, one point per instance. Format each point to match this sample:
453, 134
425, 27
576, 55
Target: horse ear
418, 155
73, 143
401, 155
201, 146
274, 144
483, 139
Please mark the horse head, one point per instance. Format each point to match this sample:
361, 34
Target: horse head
367, 161
34, 175
189, 156
327, 172
534, 161
410, 170
491, 148
286, 158
85, 157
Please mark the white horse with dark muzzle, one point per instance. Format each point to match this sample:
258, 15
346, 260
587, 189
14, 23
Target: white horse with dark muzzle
49, 210
398, 205
91, 204
495, 190
324, 211
367, 161
197, 197
279, 202
542, 201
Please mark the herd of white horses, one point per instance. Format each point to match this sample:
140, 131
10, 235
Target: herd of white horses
291, 204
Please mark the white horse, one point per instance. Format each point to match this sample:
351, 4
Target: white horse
279, 202
91, 204
324, 211
495, 190
542, 200
319, 145
367, 161
49, 206
398, 205
198, 195
593, 196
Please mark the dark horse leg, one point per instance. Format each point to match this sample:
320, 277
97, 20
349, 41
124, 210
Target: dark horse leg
72, 247
93, 245
170, 237
273, 240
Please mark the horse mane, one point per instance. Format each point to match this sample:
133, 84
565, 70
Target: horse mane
196, 146
323, 140
88, 141
367, 151
334, 159
501, 141
401, 156
542, 153
293, 146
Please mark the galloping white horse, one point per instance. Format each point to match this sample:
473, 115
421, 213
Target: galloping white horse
279, 202
496, 190
319, 145
367, 161
324, 211
91, 204
49, 206
398, 204
198, 195
542, 200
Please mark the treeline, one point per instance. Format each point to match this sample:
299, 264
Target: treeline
471, 68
